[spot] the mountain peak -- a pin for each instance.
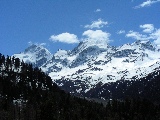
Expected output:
(145, 44)
(83, 45)
(35, 54)
(31, 48)
(98, 43)
(36, 48)
(142, 42)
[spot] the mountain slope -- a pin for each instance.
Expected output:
(27, 93)
(91, 64)
(147, 87)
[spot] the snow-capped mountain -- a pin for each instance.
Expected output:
(91, 63)
(35, 54)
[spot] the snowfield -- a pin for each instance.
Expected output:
(93, 63)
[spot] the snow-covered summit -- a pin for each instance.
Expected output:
(90, 44)
(91, 63)
(144, 45)
(35, 54)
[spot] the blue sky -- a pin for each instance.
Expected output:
(62, 24)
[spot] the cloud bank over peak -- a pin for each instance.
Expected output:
(65, 38)
(146, 3)
(156, 37)
(97, 24)
(97, 35)
(89, 35)
(149, 33)
(136, 35)
(36, 43)
(148, 28)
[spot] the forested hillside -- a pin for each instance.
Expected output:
(27, 93)
(144, 88)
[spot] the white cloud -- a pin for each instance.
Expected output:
(151, 33)
(147, 3)
(121, 32)
(65, 38)
(148, 28)
(98, 10)
(97, 24)
(97, 35)
(136, 35)
(43, 44)
(156, 36)
(36, 43)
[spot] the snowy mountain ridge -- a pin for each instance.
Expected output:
(35, 54)
(91, 63)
